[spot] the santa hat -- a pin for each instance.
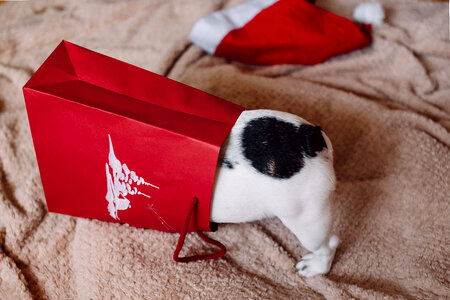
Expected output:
(268, 32)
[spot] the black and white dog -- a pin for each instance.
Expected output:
(277, 164)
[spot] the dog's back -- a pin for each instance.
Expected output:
(270, 164)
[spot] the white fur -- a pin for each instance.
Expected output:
(209, 31)
(243, 194)
(369, 13)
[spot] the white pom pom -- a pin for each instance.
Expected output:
(369, 13)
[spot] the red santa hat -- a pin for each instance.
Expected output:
(268, 32)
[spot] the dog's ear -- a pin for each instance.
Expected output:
(311, 138)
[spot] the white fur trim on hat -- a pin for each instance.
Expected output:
(369, 13)
(209, 31)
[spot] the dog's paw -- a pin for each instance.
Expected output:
(318, 262)
(313, 264)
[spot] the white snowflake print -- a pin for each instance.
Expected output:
(121, 183)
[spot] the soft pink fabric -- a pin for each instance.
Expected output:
(386, 109)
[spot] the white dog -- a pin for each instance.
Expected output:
(276, 164)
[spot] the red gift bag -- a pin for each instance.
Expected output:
(117, 143)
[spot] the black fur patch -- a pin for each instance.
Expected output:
(227, 164)
(277, 148)
(311, 139)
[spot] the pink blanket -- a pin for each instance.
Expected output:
(386, 109)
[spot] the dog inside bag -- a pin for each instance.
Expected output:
(275, 164)
(271, 163)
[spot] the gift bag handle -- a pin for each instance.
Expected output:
(203, 236)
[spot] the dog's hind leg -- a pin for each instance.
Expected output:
(313, 231)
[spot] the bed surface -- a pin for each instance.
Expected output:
(386, 109)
